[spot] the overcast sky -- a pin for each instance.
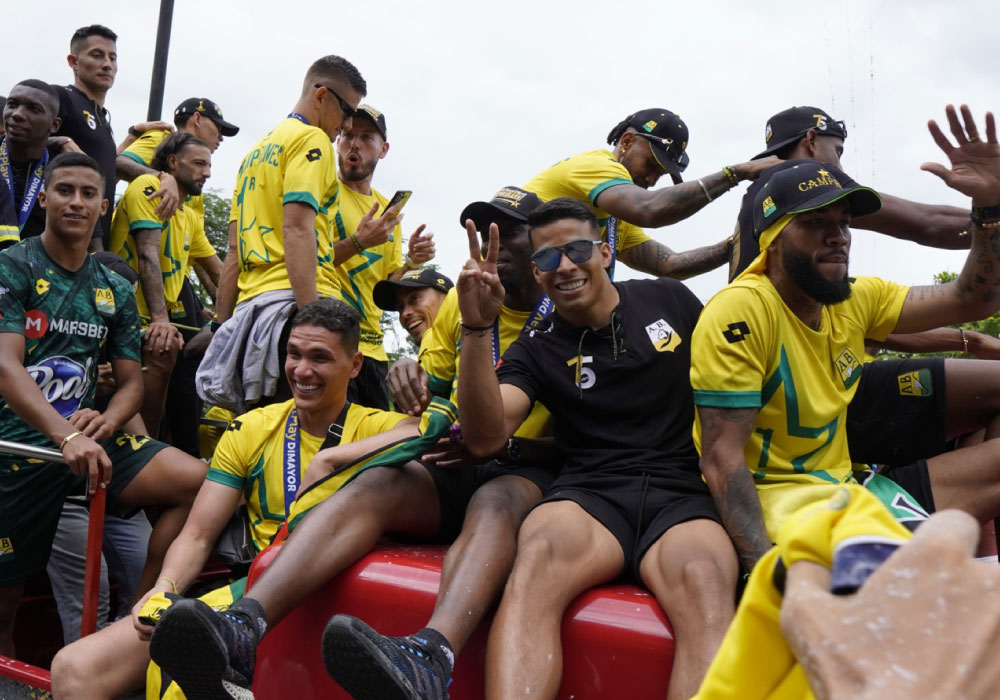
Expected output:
(481, 95)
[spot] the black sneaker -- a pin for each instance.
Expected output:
(211, 655)
(370, 666)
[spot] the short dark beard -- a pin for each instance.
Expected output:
(353, 174)
(800, 269)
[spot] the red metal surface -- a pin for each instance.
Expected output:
(92, 570)
(25, 673)
(617, 643)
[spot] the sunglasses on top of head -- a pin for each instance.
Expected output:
(579, 251)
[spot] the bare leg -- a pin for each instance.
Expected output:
(171, 480)
(968, 479)
(692, 571)
(973, 397)
(478, 563)
(154, 383)
(344, 528)
(102, 666)
(562, 551)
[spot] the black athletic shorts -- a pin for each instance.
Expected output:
(32, 494)
(915, 479)
(368, 388)
(456, 487)
(637, 509)
(897, 415)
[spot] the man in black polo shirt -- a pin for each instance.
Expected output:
(30, 117)
(613, 367)
(94, 60)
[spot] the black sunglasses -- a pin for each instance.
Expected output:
(679, 157)
(347, 109)
(578, 251)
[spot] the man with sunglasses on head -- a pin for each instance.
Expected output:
(281, 238)
(613, 367)
(615, 186)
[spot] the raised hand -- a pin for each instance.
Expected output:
(480, 293)
(975, 164)
(420, 248)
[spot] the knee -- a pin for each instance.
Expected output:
(71, 672)
(704, 587)
(501, 505)
(532, 568)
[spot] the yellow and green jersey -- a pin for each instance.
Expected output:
(440, 346)
(293, 163)
(251, 457)
(142, 151)
(181, 237)
(359, 274)
(750, 351)
(584, 177)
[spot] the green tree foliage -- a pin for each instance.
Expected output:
(217, 230)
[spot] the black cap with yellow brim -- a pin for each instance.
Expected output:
(807, 186)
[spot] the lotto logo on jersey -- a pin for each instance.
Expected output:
(6, 546)
(848, 367)
(917, 383)
(42, 285)
(662, 336)
(35, 324)
(63, 382)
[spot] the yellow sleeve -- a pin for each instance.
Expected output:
(142, 211)
(730, 349)
(310, 169)
(630, 235)
(233, 455)
(592, 173)
(371, 422)
(439, 347)
(878, 305)
(143, 148)
(201, 247)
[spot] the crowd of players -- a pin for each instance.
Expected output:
(558, 429)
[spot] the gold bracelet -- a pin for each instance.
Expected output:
(69, 437)
(173, 585)
(357, 243)
(965, 341)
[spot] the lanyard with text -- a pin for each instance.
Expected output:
(292, 474)
(296, 115)
(611, 236)
(31, 188)
(542, 310)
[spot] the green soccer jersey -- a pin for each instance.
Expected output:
(66, 318)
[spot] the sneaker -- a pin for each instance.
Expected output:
(210, 655)
(370, 666)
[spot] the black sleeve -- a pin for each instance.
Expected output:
(519, 367)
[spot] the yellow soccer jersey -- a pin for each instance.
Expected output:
(142, 151)
(750, 351)
(439, 350)
(251, 457)
(359, 274)
(134, 213)
(292, 163)
(583, 177)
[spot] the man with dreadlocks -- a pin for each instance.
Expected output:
(615, 187)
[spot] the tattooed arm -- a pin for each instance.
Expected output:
(657, 259)
(975, 172)
(668, 205)
(724, 434)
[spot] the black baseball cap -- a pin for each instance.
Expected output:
(807, 186)
(790, 125)
(510, 203)
(203, 105)
(667, 135)
(384, 292)
(375, 116)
